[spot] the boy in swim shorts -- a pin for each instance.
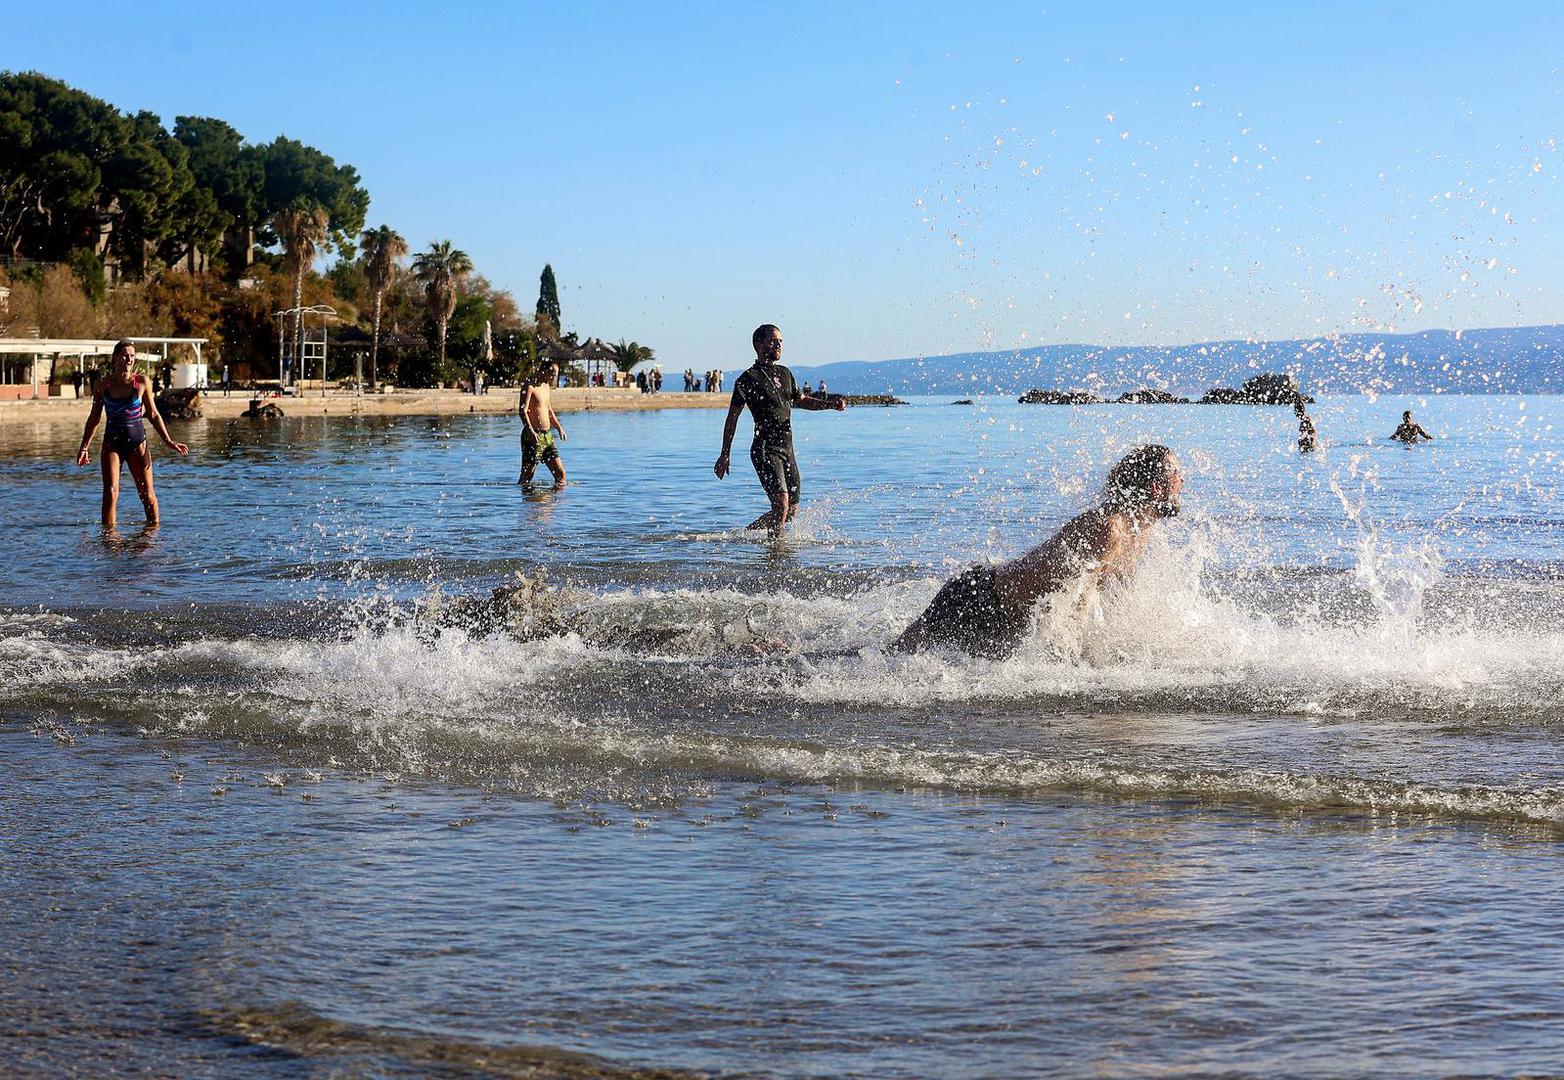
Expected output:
(538, 423)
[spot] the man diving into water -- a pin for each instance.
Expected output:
(987, 610)
(770, 391)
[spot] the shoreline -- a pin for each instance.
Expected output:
(500, 402)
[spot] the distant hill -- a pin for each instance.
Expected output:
(1526, 359)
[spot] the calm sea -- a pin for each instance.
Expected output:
(285, 791)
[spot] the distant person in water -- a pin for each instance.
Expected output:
(539, 421)
(1307, 439)
(770, 393)
(987, 610)
(1410, 430)
(130, 405)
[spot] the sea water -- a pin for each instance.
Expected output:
(285, 790)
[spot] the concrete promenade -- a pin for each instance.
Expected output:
(402, 402)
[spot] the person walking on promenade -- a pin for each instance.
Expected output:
(770, 393)
(130, 405)
(539, 421)
(987, 610)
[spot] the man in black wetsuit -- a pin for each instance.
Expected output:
(770, 392)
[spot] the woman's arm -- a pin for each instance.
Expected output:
(156, 419)
(93, 417)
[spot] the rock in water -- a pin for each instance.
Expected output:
(180, 404)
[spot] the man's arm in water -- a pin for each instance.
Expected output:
(553, 419)
(735, 407)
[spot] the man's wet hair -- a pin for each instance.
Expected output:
(763, 330)
(1407, 415)
(1129, 482)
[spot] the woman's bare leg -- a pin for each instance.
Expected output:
(140, 462)
(109, 464)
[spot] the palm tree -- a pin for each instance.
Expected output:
(381, 248)
(302, 229)
(627, 354)
(439, 270)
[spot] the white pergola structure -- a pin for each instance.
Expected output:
(304, 346)
(22, 359)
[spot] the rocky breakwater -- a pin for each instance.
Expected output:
(1269, 388)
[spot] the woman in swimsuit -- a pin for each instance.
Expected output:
(127, 400)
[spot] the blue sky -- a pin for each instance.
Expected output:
(889, 180)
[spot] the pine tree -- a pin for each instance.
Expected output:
(548, 297)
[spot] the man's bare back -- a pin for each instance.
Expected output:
(987, 610)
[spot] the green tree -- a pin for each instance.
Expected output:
(55, 143)
(295, 173)
(548, 299)
(466, 329)
(232, 173)
(627, 354)
(301, 230)
(381, 248)
(440, 270)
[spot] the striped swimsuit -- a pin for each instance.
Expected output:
(124, 431)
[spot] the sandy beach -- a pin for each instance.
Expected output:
(214, 406)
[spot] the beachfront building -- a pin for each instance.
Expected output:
(34, 368)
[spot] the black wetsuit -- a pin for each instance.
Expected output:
(967, 614)
(770, 391)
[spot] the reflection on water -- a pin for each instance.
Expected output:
(116, 542)
(426, 763)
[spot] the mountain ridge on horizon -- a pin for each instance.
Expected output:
(1520, 359)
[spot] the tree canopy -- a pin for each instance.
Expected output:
(548, 297)
(78, 174)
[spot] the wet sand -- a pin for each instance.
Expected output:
(214, 406)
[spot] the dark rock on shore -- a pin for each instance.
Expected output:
(869, 399)
(259, 411)
(1151, 397)
(1060, 397)
(180, 404)
(963, 401)
(1268, 388)
(1222, 395)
